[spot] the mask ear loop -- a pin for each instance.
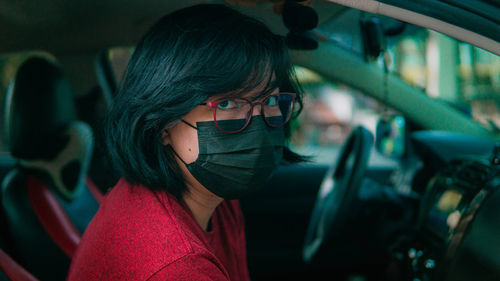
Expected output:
(173, 150)
(189, 124)
(177, 155)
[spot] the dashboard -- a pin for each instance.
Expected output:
(457, 179)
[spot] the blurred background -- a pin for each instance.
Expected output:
(453, 72)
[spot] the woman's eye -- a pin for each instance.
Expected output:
(228, 104)
(272, 101)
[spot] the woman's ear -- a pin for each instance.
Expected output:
(165, 137)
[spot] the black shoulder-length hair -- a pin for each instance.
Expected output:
(187, 57)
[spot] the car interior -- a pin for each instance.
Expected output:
(47, 197)
(403, 188)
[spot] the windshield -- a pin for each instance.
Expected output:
(459, 74)
(456, 73)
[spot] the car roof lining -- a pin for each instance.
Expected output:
(76, 27)
(71, 27)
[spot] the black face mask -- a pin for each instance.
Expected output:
(233, 165)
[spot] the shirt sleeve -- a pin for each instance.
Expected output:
(191, 267)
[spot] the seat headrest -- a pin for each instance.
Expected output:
(67, 170)
(39, 109)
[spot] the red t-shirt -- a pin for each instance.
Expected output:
(138, 234)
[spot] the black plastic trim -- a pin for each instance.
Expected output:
(481, 17)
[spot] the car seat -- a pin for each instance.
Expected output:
(12, 271)
(47, 198)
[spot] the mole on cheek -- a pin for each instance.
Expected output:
(189, 149)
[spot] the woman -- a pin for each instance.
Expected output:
(200, 119)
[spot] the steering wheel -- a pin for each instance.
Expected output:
(338, 191)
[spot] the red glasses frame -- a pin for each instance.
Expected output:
(249, 115)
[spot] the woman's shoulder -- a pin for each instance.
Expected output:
(131, 233)
(138, 216)
(131, 208)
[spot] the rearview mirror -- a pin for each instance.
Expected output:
(391, 136)
(300, 20)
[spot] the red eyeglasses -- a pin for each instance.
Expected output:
(233, 115)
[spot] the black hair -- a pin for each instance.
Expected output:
(187, 57)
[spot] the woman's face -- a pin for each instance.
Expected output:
(184, 139)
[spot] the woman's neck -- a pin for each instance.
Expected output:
(202, 204)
